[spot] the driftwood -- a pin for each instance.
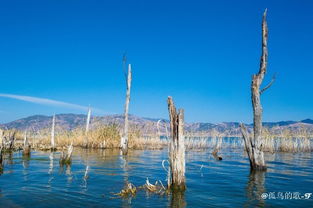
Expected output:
(124, 138)
(253, 144)
(176, 148)
(66, 158)
(52, 133)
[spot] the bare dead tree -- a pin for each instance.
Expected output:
(52, 133)
(87, 127)
(176, 148)
(88, 120)
(1, 159)
(124, 138)
(253, 144)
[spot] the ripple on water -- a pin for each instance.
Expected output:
(39, 181)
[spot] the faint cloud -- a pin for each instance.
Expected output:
(45, 101)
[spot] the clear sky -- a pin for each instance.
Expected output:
(202, 53)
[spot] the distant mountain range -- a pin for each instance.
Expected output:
(148, 125)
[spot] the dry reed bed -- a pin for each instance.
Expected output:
(108, 137)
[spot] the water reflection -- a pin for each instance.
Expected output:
(25, 161)
(255, 188)
(51, 158)
(95, 175)
(10, 158)
(68, 173)
(178, 199)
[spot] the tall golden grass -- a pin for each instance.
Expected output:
(108, 137)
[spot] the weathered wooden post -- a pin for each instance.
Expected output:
(176, 148)
(253, 144)
(124, 138)
(52, 133)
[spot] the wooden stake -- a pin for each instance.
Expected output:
(176, 147)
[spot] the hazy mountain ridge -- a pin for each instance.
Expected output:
(146, 125)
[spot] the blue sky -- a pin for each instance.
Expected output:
(203, 53)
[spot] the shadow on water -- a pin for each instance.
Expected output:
(255, 188)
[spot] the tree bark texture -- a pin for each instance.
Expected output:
(176, 147)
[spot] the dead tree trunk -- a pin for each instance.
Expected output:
(253, 143)
(87, 127)
(88, 120)
(217, 148)
(8, 138)
(26, 147)
(1, 138)
(66, 158)
(124, 139)
(52, 133)
(1, 159)
(176, 148)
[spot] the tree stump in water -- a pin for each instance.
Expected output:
(124, 138)
(217, 148)
(1, 159)
(253, 144)
(66, 158)
(176, 148)
(26, 147)
(7, 139)
(53, 134)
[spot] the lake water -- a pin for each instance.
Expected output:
(39, 181)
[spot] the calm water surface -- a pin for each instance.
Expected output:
(39, 181)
